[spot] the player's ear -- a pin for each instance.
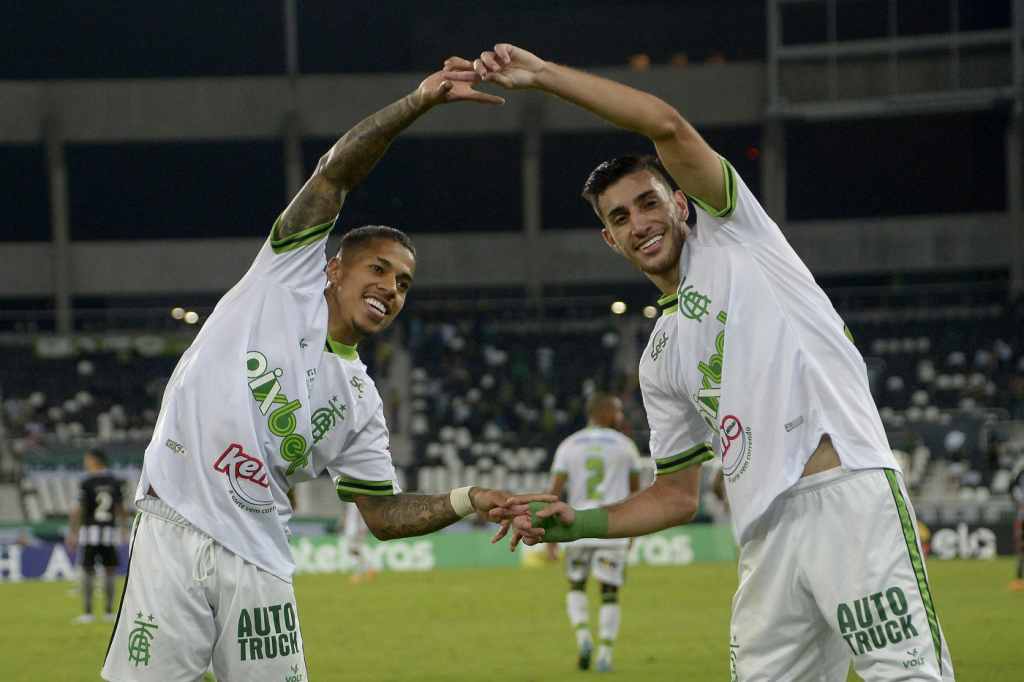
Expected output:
(334, 267)
(608, 239)
(684, 206)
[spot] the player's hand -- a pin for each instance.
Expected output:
(437, 89)
(494, 505)
(513, 68)
(522, 523)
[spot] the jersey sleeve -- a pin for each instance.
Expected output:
(295, 262)
(364, 466)
(679, 437)
(742, 221)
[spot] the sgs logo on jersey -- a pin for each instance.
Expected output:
(737, 444)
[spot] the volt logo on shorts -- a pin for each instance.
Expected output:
(248, 479)
(864, 634)
(266, 389)
(268, 632)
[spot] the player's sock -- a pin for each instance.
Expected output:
(579, 615)
(108, 590)
(609, 618)
(87, 589)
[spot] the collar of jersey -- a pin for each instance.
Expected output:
(341, 350)
(669, 304)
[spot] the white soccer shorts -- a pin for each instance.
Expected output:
(188, 601)
(834, 571)
(607, 564)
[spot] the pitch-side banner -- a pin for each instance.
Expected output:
(330, 553)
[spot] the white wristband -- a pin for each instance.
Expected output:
(461, 502)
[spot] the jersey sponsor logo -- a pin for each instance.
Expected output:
(357, 384)
(266, 632)
(140, 639)
(795, 423)
(266, 389)
(737, 443)
(176, 447)
(326, 418)
(710, 390)
(247, 477)
(659, 346)
(869, 625)
(692, 304)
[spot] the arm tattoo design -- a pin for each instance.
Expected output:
(408, 514)
(346, 164)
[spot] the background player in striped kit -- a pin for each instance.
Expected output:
(96, 525)
(595, 466)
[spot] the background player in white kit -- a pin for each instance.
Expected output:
(270, 394)
(355, 537)
(595, 466)
(750, 354)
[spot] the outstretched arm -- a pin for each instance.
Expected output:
(670, 501)
(358, 151)
(410, 514)
(685, 154)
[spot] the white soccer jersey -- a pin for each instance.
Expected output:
(597, 463)
(750, 355)
(350, 437)
(235, 430)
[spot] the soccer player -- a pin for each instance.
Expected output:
(272, 393)
(595, 466)
(97, 520)
(1017, 489)
(355, 536)
(750, 355)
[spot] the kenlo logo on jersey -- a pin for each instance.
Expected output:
(736, 445)
(248, 478)
(266, 389)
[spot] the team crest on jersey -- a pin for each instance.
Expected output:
(326, 418)
(247, 476)
(692, 304)
(737, 443)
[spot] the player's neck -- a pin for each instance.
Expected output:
(667, 281)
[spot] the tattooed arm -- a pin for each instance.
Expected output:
(410, 514)
(359, 150)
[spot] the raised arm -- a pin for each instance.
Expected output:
(411, 514)
(685, 154)
(353, 156)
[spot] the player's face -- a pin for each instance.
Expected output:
(645, 221)
(367, 290)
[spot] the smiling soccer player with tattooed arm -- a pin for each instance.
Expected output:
(272, 393)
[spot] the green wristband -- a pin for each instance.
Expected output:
(588, 523)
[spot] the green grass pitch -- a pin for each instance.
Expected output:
(510, 624)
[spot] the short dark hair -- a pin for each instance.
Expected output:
(361, 236)
(98, 455)
(613, 170)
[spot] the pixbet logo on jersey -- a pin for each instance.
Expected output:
(736, 445)
(248, 479)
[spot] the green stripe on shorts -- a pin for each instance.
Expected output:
(910, 536)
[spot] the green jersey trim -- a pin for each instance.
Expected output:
(347, 486)
(341, 350)
(669, 304)
(730, 193)
(910, 536)
(695, 455)
(299, 239)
